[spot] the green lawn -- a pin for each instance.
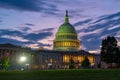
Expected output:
(82, 74)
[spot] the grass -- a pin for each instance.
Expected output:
(82, 74)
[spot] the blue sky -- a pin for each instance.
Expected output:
(34, 23)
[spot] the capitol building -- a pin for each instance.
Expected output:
(66, 46)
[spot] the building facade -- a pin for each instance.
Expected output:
(61, 59)
(66, 46)
(13, 54)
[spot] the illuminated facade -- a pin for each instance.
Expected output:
(52, 59)
(13, 53)
(66, 46)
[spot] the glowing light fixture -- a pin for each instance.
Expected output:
(22, 58)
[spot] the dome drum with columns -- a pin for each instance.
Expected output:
(66, 37)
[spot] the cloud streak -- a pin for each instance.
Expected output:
(29, 24)
(29, 5)
(27, 39)
(15, 38)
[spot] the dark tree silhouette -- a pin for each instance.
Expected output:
(71, 64)
(85, 63)
(109, 51)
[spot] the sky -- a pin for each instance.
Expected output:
(33, 23)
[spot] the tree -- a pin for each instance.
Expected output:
(5, 63)
(109, 50)
(85, 63)
(71, 64)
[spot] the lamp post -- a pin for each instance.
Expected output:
(22, 61)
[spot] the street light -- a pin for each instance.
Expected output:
(22, 58)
